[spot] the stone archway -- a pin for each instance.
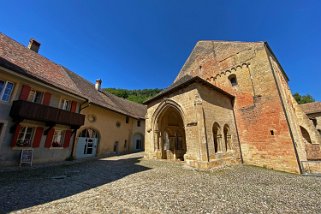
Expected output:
(170, 140)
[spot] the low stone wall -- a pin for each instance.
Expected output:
(311, 167)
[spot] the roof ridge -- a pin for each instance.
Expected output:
(31, 51)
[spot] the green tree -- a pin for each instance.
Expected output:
(301, 99)
(138, 96)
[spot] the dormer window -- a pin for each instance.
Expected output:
(233, 80)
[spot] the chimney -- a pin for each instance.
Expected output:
(98, 85)
(34, 45)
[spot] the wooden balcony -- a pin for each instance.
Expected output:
(21, 110)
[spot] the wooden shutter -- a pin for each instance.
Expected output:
(49, 138)
(15, 136)
(37, 137)
(46, 99)
(67, 138)
(25, 92)
(73, 106)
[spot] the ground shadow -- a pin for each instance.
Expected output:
(27, 188)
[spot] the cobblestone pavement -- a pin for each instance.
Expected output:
(128, 184)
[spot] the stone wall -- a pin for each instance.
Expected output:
(261, 121)
(200, 108)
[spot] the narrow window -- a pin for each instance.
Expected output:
(127, 119)
(6, 89)
(35, 96)
(217, 138)
(138, 123)
(272, 132)
(116, 147)
(58, 138)
(25, 136)
(65, 104)
(125, 144)
(233, 80)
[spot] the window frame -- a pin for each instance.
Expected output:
(62, 138)
(64, 104)
(4, 89)
(32, 135)
(34, 98)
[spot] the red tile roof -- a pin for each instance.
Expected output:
(311, 108)
(18, 58)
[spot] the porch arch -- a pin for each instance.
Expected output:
(169, 131)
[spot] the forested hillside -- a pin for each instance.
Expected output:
(138, 96)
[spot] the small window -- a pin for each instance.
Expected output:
(127, 119)
(116, 146)
(233, 80)
(6, 89)
(65, 104)
(35, 96)
(25, 136)
(58, 138)
(272, 132)
(138, 123)
(125, 144)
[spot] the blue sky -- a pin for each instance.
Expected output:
(139, 44)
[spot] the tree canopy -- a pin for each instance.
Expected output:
(138, 96)
(301, 99)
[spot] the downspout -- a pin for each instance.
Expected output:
(286, 116)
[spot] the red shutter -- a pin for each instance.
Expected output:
(49, 138)
(15, 136)
(25, 92)
(67, 138)
(73, 106)
(46, 99)
(37, 137)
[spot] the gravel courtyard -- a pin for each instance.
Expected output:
(129, 184)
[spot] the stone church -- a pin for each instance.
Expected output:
(231, 104)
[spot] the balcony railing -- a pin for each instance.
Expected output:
(32, 111)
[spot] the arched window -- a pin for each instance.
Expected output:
(227, 138)
(217, 138)
(233, 80)
(305, 135)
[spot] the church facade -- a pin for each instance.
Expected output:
(230, 104)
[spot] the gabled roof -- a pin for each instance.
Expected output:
(213, 55)
(311, 108)
(18, 58)
(184, 82)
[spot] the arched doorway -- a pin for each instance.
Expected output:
(137, 142)
(172, 141)
(87, 143)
